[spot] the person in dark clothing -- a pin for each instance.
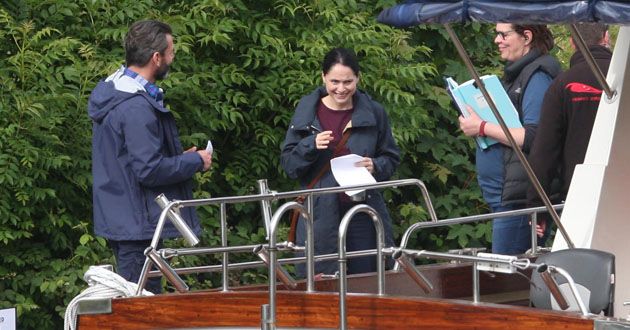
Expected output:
(567, 117)
(317, 126)
(528, 71)
(136, 153)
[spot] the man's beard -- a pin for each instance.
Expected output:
(162, 71)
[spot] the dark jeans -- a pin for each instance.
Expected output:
(130, 260)
(361, 235)
(513, 235)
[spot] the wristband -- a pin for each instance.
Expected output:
(482, 126)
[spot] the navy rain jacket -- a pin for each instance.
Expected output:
(136, 155)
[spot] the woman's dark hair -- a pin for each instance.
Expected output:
(143, 39)
(542, 39)
(341, 56)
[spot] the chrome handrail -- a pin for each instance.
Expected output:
(475, 218)
(501, 259)
(272, 249)
(267, 196)
(380, 265)
(273, 195)
(168, 252)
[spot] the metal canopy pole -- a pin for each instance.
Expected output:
(530, 173)
(581, 45)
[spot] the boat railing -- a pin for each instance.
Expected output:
(268, 252)
(171, 208)
(380, 245)
(170, 211)
(531, 212)
(504, 264)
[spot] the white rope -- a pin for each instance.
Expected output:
(102, 284)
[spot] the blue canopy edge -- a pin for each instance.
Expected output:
(493, 11)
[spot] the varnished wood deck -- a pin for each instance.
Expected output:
(320, 310)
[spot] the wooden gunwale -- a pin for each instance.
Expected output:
(320, 310)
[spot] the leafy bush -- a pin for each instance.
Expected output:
(240, 69)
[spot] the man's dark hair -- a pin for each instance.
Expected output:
(341, 56)
(143, 39)
(592, 33)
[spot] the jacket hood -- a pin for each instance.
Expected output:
(115, 89)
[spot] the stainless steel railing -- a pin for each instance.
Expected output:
(380, 265)
(477, 218)
(272, 219)
(171, 208)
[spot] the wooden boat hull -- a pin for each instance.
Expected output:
(320, 310)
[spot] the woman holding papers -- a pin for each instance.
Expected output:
(528, 73)
(334, 120)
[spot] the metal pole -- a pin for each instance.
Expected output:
(173, 214)
(264, 317)
(273, 249)
(142, 281)
(166, 270)
(265, 204)
(528, 169)
(597, 72)
(310, 245)
(573, 287)
(380, 265)
(545, 274)
(410, 268)
(534, 223)
(224, 243)
(475, 282)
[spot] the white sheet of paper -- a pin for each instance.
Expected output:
(209, 147)
(347, 174)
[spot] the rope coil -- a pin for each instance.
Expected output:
(102, 283)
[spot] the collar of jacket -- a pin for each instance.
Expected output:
(598, 52)
(154, 103)
(512, 69)
(306, 111)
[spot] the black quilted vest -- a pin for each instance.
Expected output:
(515, 79)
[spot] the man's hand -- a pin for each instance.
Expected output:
(205, 156)
(207, 159)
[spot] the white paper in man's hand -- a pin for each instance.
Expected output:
(347, 173)
(209, 148)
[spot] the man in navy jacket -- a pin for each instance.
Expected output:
(136, 152)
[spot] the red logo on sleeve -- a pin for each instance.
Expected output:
(582, 88)
(595, 94)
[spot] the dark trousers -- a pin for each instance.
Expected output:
(130, 260)
(361, 235)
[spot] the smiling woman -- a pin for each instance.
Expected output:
(528, 72)
(322, 123)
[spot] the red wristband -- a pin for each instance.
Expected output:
(482, 126)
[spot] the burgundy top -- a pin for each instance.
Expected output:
(335, 121)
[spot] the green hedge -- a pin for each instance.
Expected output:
(240, 68)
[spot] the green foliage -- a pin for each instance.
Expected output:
(240, 69)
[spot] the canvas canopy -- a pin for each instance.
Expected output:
(493, 11)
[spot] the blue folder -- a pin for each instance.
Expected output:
(468, 94)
